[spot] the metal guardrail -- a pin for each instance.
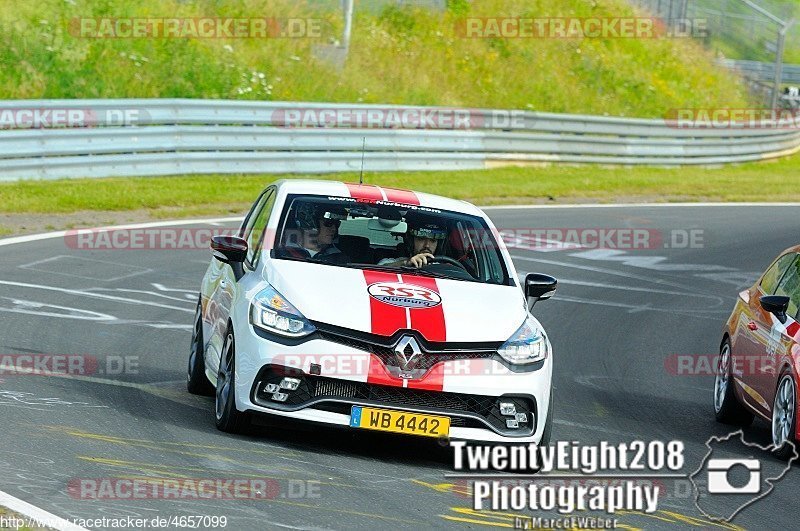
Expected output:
(211, 136)
(762, 71)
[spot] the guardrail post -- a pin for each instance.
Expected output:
(776, 87)
(348, 26)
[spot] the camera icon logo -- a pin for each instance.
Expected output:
(718, 476)
(731, 477)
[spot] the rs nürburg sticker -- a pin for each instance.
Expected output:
(404, 295)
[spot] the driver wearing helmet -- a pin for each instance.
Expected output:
(314, 239)
(422, 239)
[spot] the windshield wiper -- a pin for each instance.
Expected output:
(385, 267)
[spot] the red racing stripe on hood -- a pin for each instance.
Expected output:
(432, 381)
(368, 192)
(386, 318)
(428, 321)
(379, 375)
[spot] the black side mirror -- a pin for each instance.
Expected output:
(231, 250)
(539, 287)
(775, 304)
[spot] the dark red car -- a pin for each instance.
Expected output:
(759, 359)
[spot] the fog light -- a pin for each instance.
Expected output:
(280, 397)
(290, 383)
(512, 423)
(522, 418)
(508, 409)
(271, 388)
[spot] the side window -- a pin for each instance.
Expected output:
(789, 286)
(247, 227)
(256, 237)
(774, 273)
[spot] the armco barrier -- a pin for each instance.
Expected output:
(179, 136)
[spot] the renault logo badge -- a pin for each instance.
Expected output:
(407, 353)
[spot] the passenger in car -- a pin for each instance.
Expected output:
(318, 229)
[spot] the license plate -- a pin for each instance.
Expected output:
(399, 422)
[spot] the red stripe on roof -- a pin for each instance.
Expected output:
(401, 196)
(369, 192)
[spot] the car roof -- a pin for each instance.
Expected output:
(376, 192)
(793, 249)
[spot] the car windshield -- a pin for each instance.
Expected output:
(343, 232)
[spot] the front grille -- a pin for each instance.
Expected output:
(400, 396)
(358, 344)
(429, 359)
(331, 387)
(321, 390)
(431, 353)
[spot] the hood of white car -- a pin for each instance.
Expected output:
(381, 302)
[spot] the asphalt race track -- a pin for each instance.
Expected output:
(617, 317)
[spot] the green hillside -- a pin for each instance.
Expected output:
(409, 56)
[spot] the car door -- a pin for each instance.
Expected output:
(223, 286)
(755, 338)
(783, 334)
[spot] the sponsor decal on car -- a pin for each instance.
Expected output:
(404, 295)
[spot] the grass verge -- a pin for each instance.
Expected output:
(203, 195)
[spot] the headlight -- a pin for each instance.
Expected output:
(270, 311)
(527, 345)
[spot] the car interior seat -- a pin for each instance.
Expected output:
(356, 247)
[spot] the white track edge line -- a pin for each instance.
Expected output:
(61, 233)
(637, 205)
(37, 515)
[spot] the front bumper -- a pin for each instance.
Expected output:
(334, 377)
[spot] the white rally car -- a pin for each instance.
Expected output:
(317, 311)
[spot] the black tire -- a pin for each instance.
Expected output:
(228, 418)
(785, 443)
(548, 423)
(727, 408)
(196, 381)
